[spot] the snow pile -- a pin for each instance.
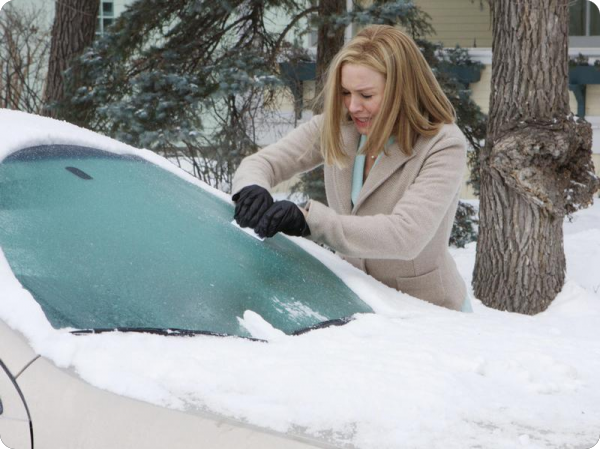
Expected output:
(412, 375)
(21, 130)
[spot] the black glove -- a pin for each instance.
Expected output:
(250, 204)
(282, 216)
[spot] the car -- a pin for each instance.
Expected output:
(133, 313)
(100, 238)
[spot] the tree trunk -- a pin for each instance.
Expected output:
(536, 165)
(73, 30)
(330, 41)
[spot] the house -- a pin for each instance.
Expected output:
(468, 24)
(463, 22)
(109, 10)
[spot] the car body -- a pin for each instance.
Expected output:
(103, 238)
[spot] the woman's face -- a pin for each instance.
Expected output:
(362, 90)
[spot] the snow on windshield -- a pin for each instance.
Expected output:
(411, 375)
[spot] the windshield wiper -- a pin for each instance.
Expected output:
(174, 332)
(324, 324)
(171, 332)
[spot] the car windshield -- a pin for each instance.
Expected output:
(105, 241)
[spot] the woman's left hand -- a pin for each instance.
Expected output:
(283, 216)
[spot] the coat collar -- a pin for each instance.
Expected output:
(386, 167)
(343, 175)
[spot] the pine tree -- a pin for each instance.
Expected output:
(197, 78)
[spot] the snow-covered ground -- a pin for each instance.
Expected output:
(412, 375)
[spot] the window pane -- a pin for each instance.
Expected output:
(107, 23)
(106, 241)
(313, 37)
(577, 18)
(107, 8)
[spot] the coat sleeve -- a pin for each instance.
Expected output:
(415, 218)
(297, 152)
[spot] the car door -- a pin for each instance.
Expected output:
(15, 429)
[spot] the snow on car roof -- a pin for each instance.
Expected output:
(410, 375)
(21, 130)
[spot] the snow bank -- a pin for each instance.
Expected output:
(412, 375)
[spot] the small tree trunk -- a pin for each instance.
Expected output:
(73, 30)
(330, 41)
(536, 165)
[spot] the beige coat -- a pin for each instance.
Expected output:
(398, 230)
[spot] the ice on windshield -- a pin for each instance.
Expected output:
(107, 241)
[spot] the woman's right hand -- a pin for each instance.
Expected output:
(250, 205)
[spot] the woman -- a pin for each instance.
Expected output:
(392, 201)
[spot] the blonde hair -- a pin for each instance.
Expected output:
(413, 102)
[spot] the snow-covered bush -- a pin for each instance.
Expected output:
(465, 225)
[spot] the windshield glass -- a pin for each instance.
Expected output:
(106, 241)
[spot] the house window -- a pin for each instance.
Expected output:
(584, 18)
(107, 8)
(313, 37)
(106, 16)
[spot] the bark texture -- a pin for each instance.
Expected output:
(330, 41)
(536, 165)
(73, 30)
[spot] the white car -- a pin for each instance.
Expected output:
(108, 239)
(134, 314)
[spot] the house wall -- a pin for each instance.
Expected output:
(120, 6)
(463, 22)
(48, 7)
(468, 24)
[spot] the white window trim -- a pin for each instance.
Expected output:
(101, 16)
(484, 55)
